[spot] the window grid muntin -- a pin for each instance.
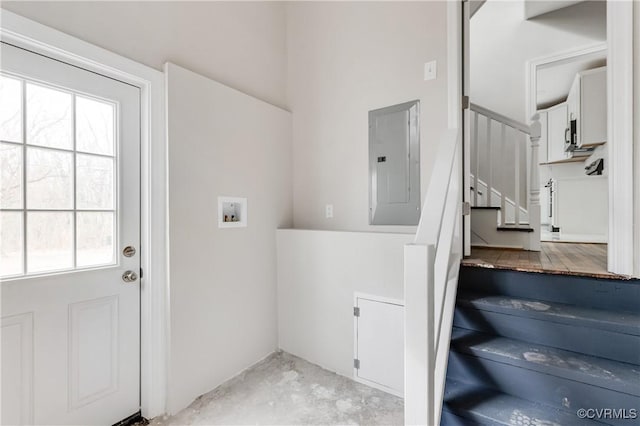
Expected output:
(115, 179)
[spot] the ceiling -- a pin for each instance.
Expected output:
(533, 8)
(553, 81)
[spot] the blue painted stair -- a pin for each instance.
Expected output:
(536, 349)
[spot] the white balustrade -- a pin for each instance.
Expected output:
(493, 179)
(432, 263)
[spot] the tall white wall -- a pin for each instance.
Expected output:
(241, 44)
(221, 142)
(222, 281)
(502, 42)
(318, 273)
(344, 59)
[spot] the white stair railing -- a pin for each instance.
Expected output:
(431, 267)
(496, 178)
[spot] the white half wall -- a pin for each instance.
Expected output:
(318, 273)
(345, 59)
(222, 281)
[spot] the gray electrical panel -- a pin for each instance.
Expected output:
(394, 165)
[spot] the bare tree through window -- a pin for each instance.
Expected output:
(57, 179)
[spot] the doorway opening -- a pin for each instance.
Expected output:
(539, 165)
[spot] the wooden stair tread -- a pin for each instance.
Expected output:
(616, 321)
(604, 373)
(483, 405)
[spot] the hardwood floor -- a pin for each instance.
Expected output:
(555, 257)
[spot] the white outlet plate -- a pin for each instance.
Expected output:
(328, 211)
(430, 70)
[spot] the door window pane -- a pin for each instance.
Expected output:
(49, 179)
(11, 243)
(49, 241)
(57, 193)
(94, 126)
(95, 238)
(49, 117)
(95, 182)
(10, 176)
(10, 109)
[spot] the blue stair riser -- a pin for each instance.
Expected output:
(622, 295)
(450, 419)
(556, 392)
(587, 340)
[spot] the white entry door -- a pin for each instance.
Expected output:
(70, 205)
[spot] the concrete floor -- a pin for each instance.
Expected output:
(286, 390)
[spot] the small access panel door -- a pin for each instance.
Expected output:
(379, 343)
(394, 165)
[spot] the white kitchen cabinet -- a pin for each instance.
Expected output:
(556, 126)
(553, 123)
(544, 143)
(587, 102)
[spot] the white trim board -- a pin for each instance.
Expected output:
(636, 168)
(576, 238)
(620, 112)
(38, 38)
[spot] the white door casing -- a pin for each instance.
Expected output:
(74, 333)
(465, 71)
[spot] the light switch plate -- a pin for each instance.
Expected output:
(430, 70)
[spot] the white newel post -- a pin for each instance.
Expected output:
(419, 343)
(534, 185)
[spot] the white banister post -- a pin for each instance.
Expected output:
(503, 192)
(516, 195)
(476, 160)
(534, 182)
(490, 165)
(419, 345)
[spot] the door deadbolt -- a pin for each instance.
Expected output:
(129, 251)
(129, 277)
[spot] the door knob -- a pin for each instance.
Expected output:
(129, 277)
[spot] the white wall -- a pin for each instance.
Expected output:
(223, 281)
(344, 59)
(318, 273)
(502, 42)
(582, 208)
(241, 44)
